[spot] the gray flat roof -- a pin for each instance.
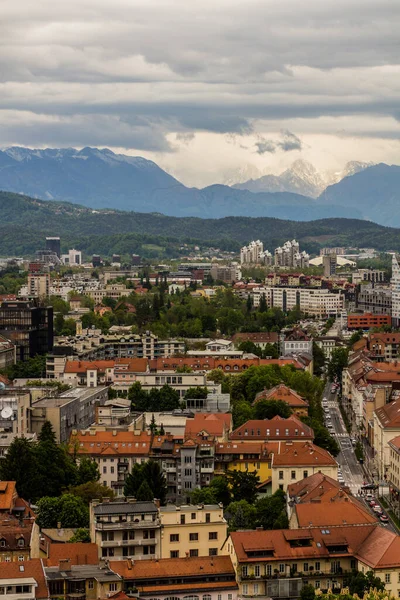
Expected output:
(124, 508)
(188, 507)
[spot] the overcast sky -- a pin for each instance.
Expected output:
(204, 87)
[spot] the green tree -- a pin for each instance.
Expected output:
(307, 592)
(81, 535)
(271, 511)
(68, 510)
(87, 471)
(205, 495)
(241, 413)
(319, 359)
(144, 493)
(355, 337)
(196, 392)
(338, 362)
(267, 409)
(359, 583)
(55, 468)
(20, 465)
(90, 490)
(221, 490)
(151, 473)
(169, 398)
(242, 515)
(243, 485)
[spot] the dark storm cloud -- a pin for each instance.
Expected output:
(132, 71)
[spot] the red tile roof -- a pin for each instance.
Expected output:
(340, 511)
(302, 454)
(123, 443)
(277, 428)
(8, 495)
(30, 568)
(78, 553)
(389, 415)
(173, 567)
(215, 424)
(284, 393)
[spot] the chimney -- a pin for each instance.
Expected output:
(157, 502)
(64, 564)
(114, 432)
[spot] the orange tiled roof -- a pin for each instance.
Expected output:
(284, 393)
(31, 568)
(277, 428)
(8, 495)
(122, 443)
(78, 553)
(176, 567)
(314, 486)
(389, 415)
(215, 424)
(302, 453)
(340, 511)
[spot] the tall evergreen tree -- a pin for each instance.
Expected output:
(144, 493)
(21, 465)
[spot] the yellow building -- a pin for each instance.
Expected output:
(245, 456)
(191, 530)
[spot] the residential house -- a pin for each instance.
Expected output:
(295, 341)
(23, 580)
(260, 339)
(67, 580)
(192, 530)
(19, 534)
(252, 456)
(386, 426)
(191, 578)
(285, 394)
(209, 426)
(276, 428)
(126, 529)
(114, 451)
(298, 460)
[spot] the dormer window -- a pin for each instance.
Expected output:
(2, 543)
(21, 542)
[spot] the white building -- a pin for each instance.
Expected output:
(395, 286)
(318, 302)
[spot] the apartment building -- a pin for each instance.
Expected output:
(275, 429)
(114, 451)
(67, 581)
(278, 563)
(28, 327)
(374, 299)
(73, 409)
(19, 534)
(386, 426)
(295, 341)
(384, 346)
(367, 321)
(7, 353)
(245, 456)
(126, 529)
(191, 578)
(38, 285)
(395, 287)
(298, 460)
(190, 530)
(318, 302)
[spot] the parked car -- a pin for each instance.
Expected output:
(384, 519)
(372, 503)
(377, 509)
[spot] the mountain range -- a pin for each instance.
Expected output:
(27, 221)
(300, 178)
(102, 179)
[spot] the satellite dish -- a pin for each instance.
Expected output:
(7, 412)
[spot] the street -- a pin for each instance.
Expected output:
(352, 471)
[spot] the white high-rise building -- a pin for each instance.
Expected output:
(395, 286)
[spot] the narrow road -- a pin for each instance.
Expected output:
(352, 471)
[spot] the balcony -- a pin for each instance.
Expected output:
(124, 543)
(109, 526)
(206, 469)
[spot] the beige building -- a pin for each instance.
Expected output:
(298, 460)
(190, 530)
(125, 529)
(39, 285)
(386, 426)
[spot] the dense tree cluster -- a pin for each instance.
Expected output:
(44, 468)
(167, 398)
(146, 482)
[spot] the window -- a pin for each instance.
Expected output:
(257, 571)
(219, 597)
(183, 519)
(305, 567)
(317, 585)
(229, 596)
(305, 474)
(353, 565)
(174, 537)
(281, 486)
(22, 589)
(193, 552)
(268, 570)
(255, 587)
(104, 470)
(213, 552)
(21, 558)
(174, 554)
(193, 537)
(281, 568)
(90, 584)
(245, 589)
(112, 469)
(387, 577)
(113, 587)
(280, 474)
(213, 535)
(21, 542)
(244, 571)
(188, 459)
(208, 518)
(207, 597)
(293, 475)
(193, 516)
(188, 472)
(318, 566)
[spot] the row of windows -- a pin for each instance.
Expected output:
(194, 552)
(193, 537)
(292, 475)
